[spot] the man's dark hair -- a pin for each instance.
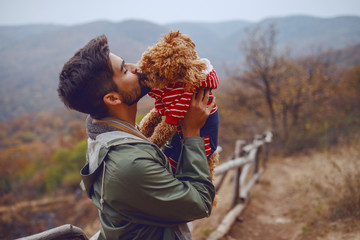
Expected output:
(87, 77)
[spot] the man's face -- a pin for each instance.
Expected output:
(129, 81)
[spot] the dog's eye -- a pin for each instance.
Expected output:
(125, 70)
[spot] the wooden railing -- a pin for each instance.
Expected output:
(246, 157)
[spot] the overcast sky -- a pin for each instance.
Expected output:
(18, 12)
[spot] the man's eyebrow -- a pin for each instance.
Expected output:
(122, 65)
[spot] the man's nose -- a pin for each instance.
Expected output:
(132, 67)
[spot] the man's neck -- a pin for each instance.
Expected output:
(126, 113)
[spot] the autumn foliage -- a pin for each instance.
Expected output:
(307, 102)
(40, 153)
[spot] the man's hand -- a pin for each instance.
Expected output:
(197, 114)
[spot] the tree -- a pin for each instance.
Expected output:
(262, 66)
(296, 92)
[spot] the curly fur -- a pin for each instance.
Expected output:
(149, 122)
(163, 132)
(213, 161)
(171, 60)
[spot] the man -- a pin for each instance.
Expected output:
(127, 177)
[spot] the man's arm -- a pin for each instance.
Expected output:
(144, 191)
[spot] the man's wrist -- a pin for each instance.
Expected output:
(193, 133)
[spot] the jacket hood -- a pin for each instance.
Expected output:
(93, 129)
(101, 138)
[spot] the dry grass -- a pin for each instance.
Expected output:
(318, 193)
(329, 193)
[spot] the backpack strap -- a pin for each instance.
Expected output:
(123, 126)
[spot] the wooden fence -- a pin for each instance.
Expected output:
(245, 158)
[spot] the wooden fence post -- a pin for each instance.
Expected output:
(236, 186)
(223, 176)
(267, 139)
(257, 159)
(243, 158)
(237, 172)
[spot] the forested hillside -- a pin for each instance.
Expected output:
(32, 56)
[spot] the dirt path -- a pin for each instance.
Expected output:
(270, 214)
(284, 205)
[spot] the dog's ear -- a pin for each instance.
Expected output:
(167, 71)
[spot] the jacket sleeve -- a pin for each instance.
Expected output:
(142, 190)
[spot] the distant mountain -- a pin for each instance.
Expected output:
(32, 56)
(305, 34)
(344, 58)
(302, 34)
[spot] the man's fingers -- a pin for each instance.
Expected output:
(201, 98)
(202, 94)
(206, 95)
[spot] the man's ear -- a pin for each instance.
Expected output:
(112, 98)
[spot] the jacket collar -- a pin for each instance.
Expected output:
(96, 127)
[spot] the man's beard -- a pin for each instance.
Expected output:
(137, 93)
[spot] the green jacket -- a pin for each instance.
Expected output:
(130, 182)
